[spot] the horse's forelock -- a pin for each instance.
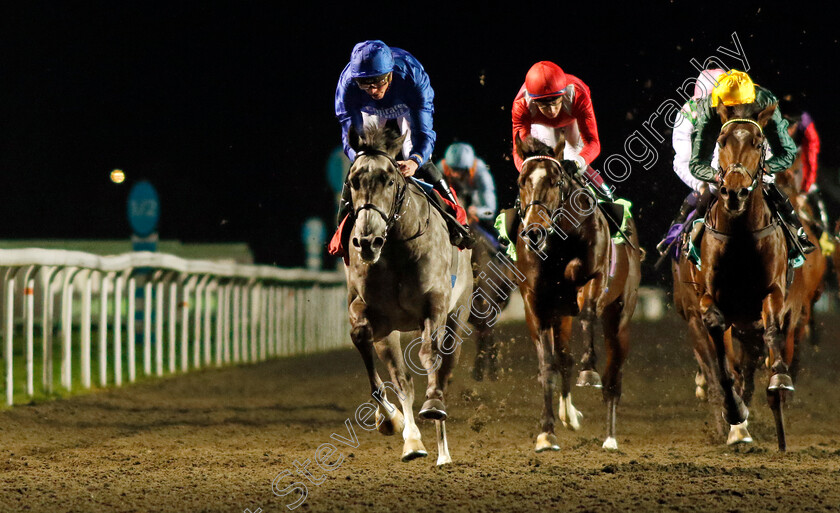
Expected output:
(376, 138)
(532, 147)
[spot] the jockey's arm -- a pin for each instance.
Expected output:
(585, 116)
(348, 115)
(421, 118)
(521, 117)
(486, 190)
(681, 140)
(810, 152)
(704, 141)
(781, 144)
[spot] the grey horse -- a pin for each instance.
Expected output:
(403, 277)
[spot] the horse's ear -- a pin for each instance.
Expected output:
(395, 145)
(724, 112)
(517, 147)
(353, 138)
(765, 115)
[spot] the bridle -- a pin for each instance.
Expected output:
(535, 203)
(737, 167)
(399, 197)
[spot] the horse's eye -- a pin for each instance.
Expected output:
(390, 183)
(354, 182)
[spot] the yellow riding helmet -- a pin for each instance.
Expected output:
(734, 88)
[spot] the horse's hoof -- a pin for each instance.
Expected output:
(589, 378)
(738, 434)
(780, 382)
(700, 393)
(433, 409)
(413, 449)
(546, 442)
(610, 444)
(389, 427)
(443, 460)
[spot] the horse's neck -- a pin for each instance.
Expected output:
(413, 215)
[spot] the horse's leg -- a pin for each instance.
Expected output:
(569, 415)
(735, 411)
(433, 361)
(449, 358)
(775, 336)
(361, 333)
(483, 341)
(545, 354)
(588, 376)
(389, 351)
(616, 322)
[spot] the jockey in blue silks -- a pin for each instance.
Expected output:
(380, 84)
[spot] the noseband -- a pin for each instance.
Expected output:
(396, 206)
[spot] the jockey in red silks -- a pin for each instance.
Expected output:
(551, 102)
(804, 134)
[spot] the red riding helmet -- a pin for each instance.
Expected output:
(545, 79)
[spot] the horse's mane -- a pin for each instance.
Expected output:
(376, 138)
(531, 147)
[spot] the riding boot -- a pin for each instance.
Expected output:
(702, 206)
(782, 205)
(827, 240)
(511, 227)
(459, 234)
(688, 204)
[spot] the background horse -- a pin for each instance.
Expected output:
(403, 276)
(742, 282)
(497, 282)
(571, 266)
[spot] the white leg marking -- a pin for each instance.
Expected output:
(443, 445)
(569, 416)
(738, 434)
(610, 444)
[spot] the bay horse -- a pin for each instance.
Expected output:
(571, 268)
(497, 280)
(743, 278)
(403, 276)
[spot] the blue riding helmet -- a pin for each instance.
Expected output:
(370, 59)
(460, 156)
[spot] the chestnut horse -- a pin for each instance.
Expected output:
(743, 279)
(403, 276)
(572, 267)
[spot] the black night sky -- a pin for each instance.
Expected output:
(228, 107)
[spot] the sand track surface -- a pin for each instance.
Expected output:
(216, 439)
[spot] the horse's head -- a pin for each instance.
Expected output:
(741, 155)
(376, 186)
(543, 187)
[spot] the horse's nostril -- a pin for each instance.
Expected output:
(743, 193)
(724, 192)
(356, 242)
(378, 242)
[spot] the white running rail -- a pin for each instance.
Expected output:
(214, 313)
